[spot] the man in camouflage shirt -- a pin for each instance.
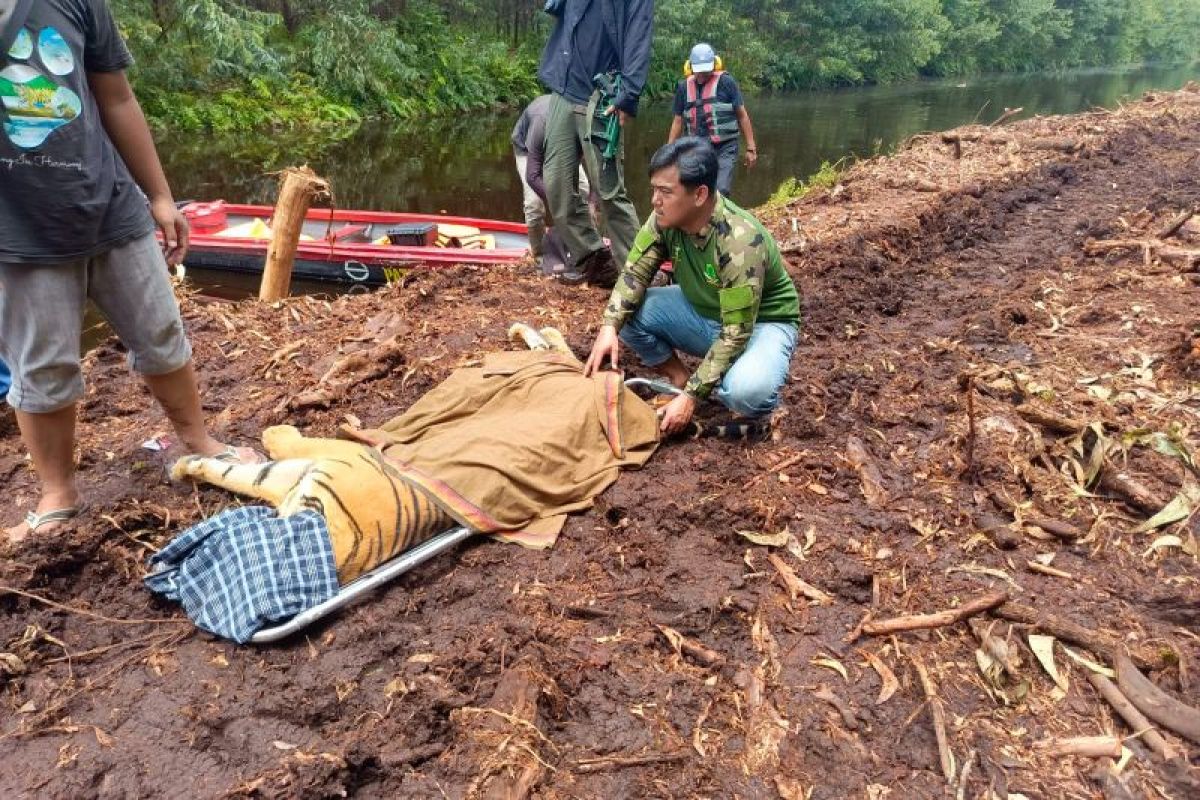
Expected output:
(733, 304)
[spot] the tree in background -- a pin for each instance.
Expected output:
(239, 64)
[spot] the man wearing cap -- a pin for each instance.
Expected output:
(708, 103)
(595, 64)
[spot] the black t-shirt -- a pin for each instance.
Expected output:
(65, 193)
(727, 92)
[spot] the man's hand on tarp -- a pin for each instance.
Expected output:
(606, 347)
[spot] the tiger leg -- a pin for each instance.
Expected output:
(270, 481)
(557, 341)
(284, 441)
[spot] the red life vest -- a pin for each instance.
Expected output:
(721, 118)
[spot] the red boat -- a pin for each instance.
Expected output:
(370, 248)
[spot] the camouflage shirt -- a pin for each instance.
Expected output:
(730, 272)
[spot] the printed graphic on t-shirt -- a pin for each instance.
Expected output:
(35, 105)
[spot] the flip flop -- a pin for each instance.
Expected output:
(35, 520)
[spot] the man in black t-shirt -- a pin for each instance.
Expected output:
(81, 195)
(708, 104)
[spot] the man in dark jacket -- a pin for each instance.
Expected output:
(595, 63)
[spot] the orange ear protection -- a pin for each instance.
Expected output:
(718, 65)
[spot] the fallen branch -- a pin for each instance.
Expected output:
(797, 586)
(1133, 718)
(1175, 224)
(91, 614)
(848, 718)
(945, 755)
(617, 762)
(1061, 145)
(1068, 631)
(940, 619)
(704, 655)
(1172, 714)
(1008, 114)
(868, 472)
(1090, 746)
(1151, 249)
(502, 740)
(1131, 490)
(1045, 569)
(375, 363)
(997, 530)
(1049, 419)
(1056, 527)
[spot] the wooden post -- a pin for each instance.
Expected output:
(298, 187)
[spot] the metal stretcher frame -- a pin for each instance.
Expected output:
(402, 563)
(365, 583)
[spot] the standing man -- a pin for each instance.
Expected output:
(733, 304)
(708, 103)
(595, 63)
(81, 193)
(529, 152)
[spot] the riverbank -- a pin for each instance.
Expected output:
(971, 363)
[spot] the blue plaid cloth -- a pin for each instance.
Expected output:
(246, 569)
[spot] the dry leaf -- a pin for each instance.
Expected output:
(1099, 669)
(698, 731)
(1043, 648)
(103, 739)
(833, 664)
(1170, 540)
(674, 637)
(887, 678)
(280, 745)
(1181, 507)
(765, 643)
(422, 658)
(767, 539)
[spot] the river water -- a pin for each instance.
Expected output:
(464, 165)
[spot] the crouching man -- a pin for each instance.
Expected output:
(733, 304)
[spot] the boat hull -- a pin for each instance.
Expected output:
(341, 250)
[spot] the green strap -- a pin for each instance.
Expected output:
(613, 125)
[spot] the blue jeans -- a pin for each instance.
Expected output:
(5, 379)
(666, 322)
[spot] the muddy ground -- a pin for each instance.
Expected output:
(971, 361)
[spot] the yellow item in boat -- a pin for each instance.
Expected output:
(257, 229)
(465, 236)
(384, 240)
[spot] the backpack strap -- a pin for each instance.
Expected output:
(13, 14)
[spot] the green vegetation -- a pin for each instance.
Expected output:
(258, 64)
(794, 188)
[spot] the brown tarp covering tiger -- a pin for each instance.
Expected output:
(513, 446)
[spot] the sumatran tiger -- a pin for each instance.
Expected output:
(372, 513)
